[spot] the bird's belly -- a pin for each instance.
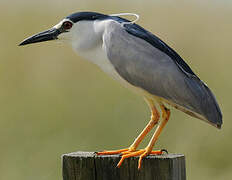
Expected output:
(99, 57)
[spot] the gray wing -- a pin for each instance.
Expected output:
(145, 66)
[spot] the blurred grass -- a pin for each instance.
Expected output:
(53, 102)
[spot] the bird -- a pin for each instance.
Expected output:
(142, 62)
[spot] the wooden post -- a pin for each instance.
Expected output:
(88, 166)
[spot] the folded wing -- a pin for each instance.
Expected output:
(146, 62)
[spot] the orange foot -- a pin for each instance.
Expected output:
(126, 153)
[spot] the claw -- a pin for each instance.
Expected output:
(130, 154)
(126, 153)
(141, 158)
(142, 153)
(164, 150)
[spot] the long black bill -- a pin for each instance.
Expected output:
(48, 35)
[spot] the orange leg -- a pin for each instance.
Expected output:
(154, 120)
(165, 117)
(148, 150)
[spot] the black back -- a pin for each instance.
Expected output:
(142, 33)
(79, 16)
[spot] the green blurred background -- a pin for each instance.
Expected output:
(53, 102)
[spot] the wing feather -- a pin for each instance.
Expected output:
(146, 66)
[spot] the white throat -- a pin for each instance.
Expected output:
(87, 42)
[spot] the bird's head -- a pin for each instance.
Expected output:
(75, 29)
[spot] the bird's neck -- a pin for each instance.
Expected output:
(87, 36)
(88, 43)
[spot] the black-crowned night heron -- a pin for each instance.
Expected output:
(141, 61)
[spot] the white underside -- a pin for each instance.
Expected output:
(98, 56)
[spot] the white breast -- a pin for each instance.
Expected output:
(89, 45)
(98, 56)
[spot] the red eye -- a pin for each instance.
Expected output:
(67, 25)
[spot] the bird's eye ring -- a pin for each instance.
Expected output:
(67, 25)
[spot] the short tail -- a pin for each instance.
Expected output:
(206, 104)
(211, 109)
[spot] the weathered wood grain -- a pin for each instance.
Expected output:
(88, 166)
